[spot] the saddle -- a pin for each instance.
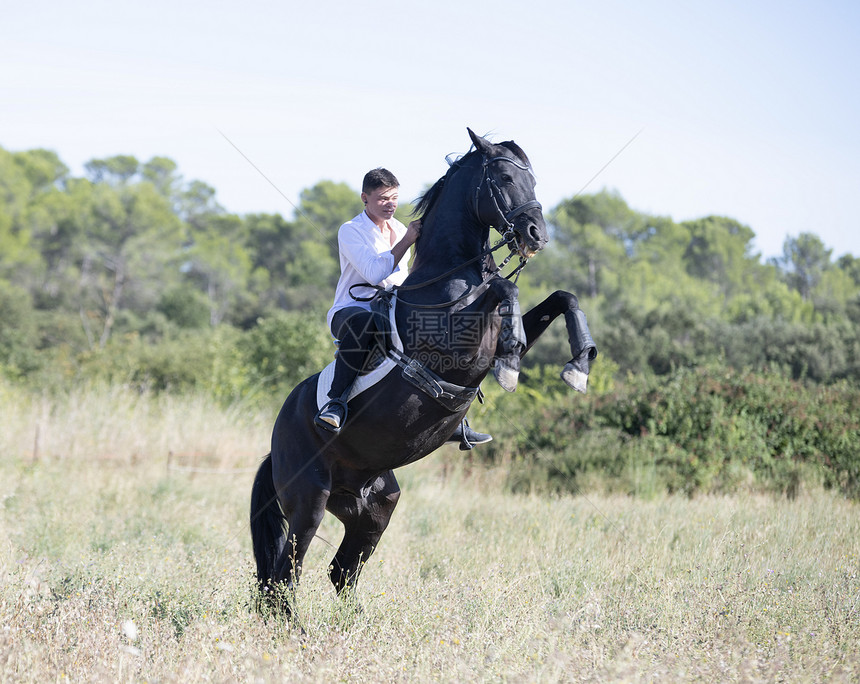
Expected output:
(386, 354)
(377, 365)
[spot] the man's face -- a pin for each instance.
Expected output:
(380, 204)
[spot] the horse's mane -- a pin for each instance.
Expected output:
(425, 203)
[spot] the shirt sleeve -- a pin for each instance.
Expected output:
(373, 266)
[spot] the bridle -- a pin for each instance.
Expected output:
(505, 229)
(500, 204)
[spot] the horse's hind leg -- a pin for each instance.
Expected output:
(303, 518)
(303, 502)
(364, 519)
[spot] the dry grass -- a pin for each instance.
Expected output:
(115, 567)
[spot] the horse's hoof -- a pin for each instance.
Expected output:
(506, 375)
(575, 378)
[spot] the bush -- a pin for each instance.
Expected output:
(262, 364)
(285, 348)
(186, 307)
(177, 364)
(697, 430)
(18, 332)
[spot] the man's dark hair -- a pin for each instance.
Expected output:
(379, 178)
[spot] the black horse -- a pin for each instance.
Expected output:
(457, 318)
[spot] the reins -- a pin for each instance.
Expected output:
(476, 290)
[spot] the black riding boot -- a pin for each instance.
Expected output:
(467, 438)
(354, 328)
(333, 415)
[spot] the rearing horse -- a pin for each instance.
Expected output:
(457, 318)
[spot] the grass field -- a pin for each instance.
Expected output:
(125, 556)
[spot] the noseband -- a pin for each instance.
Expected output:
(503, 210)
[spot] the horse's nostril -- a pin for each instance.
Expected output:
(534, 234)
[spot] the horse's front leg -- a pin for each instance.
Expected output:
(582, 347)
(512, 341)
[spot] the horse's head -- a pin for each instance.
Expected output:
(505, 197)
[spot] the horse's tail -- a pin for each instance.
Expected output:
(267, 522)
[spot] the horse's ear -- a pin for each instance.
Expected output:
(480, 143)
(517, 150)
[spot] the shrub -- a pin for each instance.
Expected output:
(18, 332)
(186, 307)
(284, 348)
(697, 430)
(178, 364)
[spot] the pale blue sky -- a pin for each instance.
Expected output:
(746, 109)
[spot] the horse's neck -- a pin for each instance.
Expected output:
(450, 236)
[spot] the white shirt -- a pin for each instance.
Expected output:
(365, 257)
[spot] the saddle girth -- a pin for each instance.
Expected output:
(453, 397)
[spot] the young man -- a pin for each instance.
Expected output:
(374, 248)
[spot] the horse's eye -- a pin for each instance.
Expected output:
(506, 179)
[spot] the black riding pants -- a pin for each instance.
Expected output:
(354, 328)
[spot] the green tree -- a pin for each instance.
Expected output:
(219, 262)
(115, 170)
(720, 251)
(17, 188)
(323, 208)
(804, 261)
(42, 168)
(161, 172)
(850, 265)
(301, 256)
(185, 306)
(59, 224)
(18, 332)
(593, 236)
(196, 202)
(132, 236)
(271, 243)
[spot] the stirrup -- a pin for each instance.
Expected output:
(320, 419)
(462, 435)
